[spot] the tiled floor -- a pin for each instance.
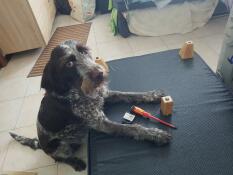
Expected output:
(20, 96)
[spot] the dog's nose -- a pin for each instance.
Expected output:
(97, 76)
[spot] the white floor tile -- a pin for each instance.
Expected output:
(48, 170)
(175, 40)
(214, 42)
(210, 56)
(34, 85)
(139, 53)
(101, 20)
(63, 20)
(104, 35)
(29, 110)
(214, 26)
(175, 46)
(92, 44)
(21, 63)
(64, 169)
(5, 140)
(12, 88)
(21, 157)
(115, 49)
(102, 29)
(9, 113)
(1, 71)
(91, 37)
(146, 44)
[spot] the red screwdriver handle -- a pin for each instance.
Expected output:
(143, 113)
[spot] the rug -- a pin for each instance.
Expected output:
(78, 32)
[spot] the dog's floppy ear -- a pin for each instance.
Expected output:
(82, 49)
(47, 81)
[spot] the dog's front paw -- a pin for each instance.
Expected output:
(79, 165)
(156, 95)
(159, 136)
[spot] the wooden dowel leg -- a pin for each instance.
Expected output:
(3, 61)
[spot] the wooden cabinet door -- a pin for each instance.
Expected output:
(18, 28)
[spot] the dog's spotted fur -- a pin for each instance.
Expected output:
(70, 108)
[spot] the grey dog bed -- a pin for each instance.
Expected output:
(203, 113)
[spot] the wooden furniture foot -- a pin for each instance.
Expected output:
(3, 61)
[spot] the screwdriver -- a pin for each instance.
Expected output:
(141, 112)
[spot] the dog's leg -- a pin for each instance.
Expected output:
(97, 120)
(134, 131)
(134, 97)
(76, 163)
(65, 154)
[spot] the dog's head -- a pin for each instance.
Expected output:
(71, 66)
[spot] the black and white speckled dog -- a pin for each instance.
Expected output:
(76, 91)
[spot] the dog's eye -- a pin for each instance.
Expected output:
(70, 64)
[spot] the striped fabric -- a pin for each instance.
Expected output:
(78, 32)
